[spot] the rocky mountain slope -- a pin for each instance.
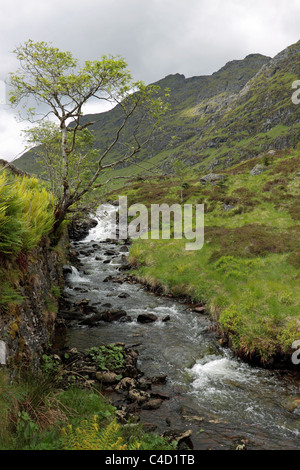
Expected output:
(217, 120)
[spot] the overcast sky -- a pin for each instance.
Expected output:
(156, 37)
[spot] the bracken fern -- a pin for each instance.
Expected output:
(89, 436)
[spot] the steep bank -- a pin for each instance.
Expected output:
(31, 270)
(27, 326)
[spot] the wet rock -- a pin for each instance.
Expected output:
(160, 395)
(73, 253)
(107, 377)
(126, 319)
(133, 353)
(108, 278)
(81, 303)
(292, 404)
(124, 249)
(296, 411)
(166, 318)
(106, 261)
(223, 342)
(121, 416)
(146, 318)
(67, 269)
(149, 427)
(239, 444)
(85, 307)
(124, 260)
(79, 229)
(70, 315)
(125, 267)
(92, 320)
(201, 309)
(139, 396)
(159, 380)
(132, 408)
(152, 404)
(109, 253)
(123, 295)
(108, 240)
(126, 383)
(113, 315)
(145, 384)
(183, 439)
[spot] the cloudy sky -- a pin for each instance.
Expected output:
(156, 37)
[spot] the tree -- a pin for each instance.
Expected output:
(46, 138)
(179, 169)
(55, 80)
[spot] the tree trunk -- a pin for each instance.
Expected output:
(60, 213)
(62, 206)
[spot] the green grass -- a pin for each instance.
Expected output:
(248, 270)
(36, 415)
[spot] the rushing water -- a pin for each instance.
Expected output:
(217, 396)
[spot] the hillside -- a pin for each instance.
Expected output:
(214, 121)
(181, 123)
(247, 273)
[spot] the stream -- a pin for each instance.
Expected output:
(221, 399)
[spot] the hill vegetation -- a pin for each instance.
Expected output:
(26, 216)
(213, 121)
(247, 273)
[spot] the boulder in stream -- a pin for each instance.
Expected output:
(153, 404)
(67, 269)
(146, 318)
(166, 318)
(92, 320)
(113, 315)
(123, 295)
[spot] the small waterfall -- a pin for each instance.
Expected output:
(106, 217)
(77, 278)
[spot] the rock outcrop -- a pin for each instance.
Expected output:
(26, 328)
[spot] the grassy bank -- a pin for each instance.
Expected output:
(36, 414)
(247, 273)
